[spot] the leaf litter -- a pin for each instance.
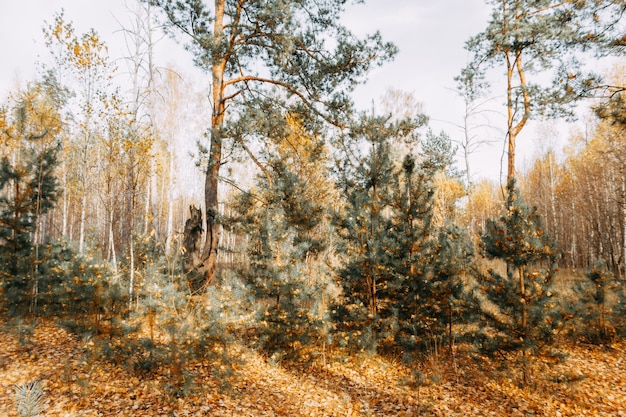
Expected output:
(591, 381)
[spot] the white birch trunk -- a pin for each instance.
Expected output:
(66, 205)
(112, 244)
(83, 215)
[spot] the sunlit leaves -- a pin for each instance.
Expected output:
(86, 52)
(582, 197)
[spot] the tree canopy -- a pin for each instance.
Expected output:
(265, 57)
(530, 39)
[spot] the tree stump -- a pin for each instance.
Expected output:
(192, 259)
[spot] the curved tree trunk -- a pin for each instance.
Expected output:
(209, 253)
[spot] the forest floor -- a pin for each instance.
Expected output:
(591, 381)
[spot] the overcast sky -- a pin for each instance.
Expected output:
(430, 35)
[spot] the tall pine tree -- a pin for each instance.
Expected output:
(275, 54)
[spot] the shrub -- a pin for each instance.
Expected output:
(599, 313)
(521, 313)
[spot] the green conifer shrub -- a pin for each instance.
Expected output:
(83, 295)
(521, 315)
(179, 327)
(430, 259)
(452, 263)
(412, 242)
(599, 313)
(28, 189)
(363, 317)
(285, 274)
(397, 276)
(33, 190)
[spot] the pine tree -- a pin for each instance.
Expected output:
(279, 54)
(600, 308)
(393, 279)
(280, 244)
(524, 315)
(79, 292)
(28, 189)
(429, 259)
(366, 231)
(412, 242)
(529, 38)
(284, 217)
(452, 262)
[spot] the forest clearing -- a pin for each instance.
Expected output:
(256, 244)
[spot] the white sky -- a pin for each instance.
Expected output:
(430, 35)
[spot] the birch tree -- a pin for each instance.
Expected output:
(85, 59)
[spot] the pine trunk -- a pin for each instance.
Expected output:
(209, 253)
